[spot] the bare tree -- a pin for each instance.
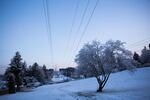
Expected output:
(100, 60)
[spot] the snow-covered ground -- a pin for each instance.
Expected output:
(120, 86)
(60, 78)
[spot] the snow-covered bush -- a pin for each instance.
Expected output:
(31, 82)
(3, 85)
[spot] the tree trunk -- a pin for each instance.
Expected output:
(100, 88)
(102, 83)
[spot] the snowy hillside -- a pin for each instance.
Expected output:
(120, 86)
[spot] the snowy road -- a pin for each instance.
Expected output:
(121, 86)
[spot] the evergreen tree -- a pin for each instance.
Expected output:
(16, 69)
(144, 55)
(11, 83)
(38, 73)
(136, 57)
(148, 54)
(24, 68)
(45, 72)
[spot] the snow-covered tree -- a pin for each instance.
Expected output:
(100, 60)
(38, 73)
(145, 55)
(24, 68)
(136, 57)
(16, 68)
(45, 72)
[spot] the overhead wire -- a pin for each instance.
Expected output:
(79, 27)
(86, 26)
(139, 42)
(80, 24)
(71, 29)
(48, 24)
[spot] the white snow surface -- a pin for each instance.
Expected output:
(120, 86)
(60, 78)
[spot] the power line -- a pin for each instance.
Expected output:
(86, 26)
(82, 18)
(141, 41)
(48, 24)
(70, 31)
(139, 44)
(78, 29)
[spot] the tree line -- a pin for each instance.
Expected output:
(18, 73)
(144, 57)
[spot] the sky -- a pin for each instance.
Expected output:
(23, 28)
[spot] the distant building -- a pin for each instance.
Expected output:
(69, 72)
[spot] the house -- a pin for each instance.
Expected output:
(69, 72)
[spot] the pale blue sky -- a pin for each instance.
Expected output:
(23, 28)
